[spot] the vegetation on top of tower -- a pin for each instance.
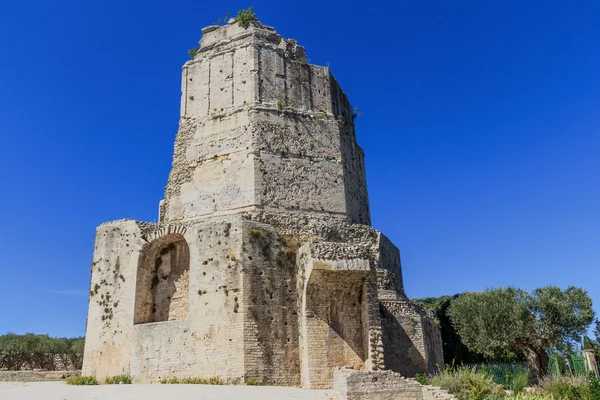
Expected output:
(193, 52)
(223, 20)
(245, 17)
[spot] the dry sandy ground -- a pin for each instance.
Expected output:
(61, 391)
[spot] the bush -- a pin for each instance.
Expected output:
(517, 381)
(245, 17)
(536, 396)
(423, 379)
(252, 382)
(118, 379)
(81, 380)
(468, 384)
(566, 387)
(215, 380)
(594, 388)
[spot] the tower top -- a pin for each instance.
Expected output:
(261, 129)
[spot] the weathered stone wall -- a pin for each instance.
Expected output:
(270, 306)
(208, 342)
(412, 342)
(432, 340)
(261, 128)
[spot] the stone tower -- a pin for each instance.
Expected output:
(263, 264)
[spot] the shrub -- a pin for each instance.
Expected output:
(252, 382)
(517, 381)
(536, 396)
(245, 17)
(81, 380)
(594, 388)
(118, 379)
(215, 380)
(423, 379)
(193, 52)
(468, 384)
(566, 387)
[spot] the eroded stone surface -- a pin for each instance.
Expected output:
(263, 265)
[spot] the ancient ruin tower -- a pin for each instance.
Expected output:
(263, 265)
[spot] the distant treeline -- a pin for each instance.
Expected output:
(32, 351)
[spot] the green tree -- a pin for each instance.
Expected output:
(501, 319)
(39, 351)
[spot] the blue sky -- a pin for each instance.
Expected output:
(480, 123)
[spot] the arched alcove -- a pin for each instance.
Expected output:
(162, 287)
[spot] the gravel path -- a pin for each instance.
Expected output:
(61, 391)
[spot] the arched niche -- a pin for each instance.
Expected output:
(162, 287)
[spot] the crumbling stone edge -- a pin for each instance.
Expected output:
(349, 384)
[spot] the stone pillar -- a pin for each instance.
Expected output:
(590, 361)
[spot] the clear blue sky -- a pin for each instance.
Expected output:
(480, 122)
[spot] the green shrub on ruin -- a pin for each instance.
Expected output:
(247, 16)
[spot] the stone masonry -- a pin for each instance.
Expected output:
(263, 264)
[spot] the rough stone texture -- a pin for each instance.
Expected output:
(262, 129)
(382, 385)
(263, 264)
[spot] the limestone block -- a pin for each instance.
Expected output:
(298, 135)
(218, 184)
(411, 341)
(298, 183)
(374, 385)
(390, 274)
(332, 311)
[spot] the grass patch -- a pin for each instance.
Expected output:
(118, 380)
(81, 380)
(252, 382)
(215, 380)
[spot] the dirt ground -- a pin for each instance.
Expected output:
(61, 391)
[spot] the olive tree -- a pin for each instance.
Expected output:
(501, 319)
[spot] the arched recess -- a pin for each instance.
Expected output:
(335, 335)
(162, 287)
